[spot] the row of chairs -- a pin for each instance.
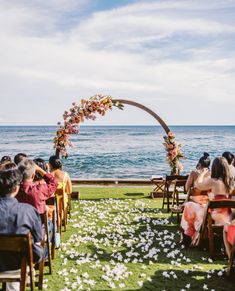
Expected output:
(23, 244)
(174, 194)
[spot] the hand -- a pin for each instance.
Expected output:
(39, 170)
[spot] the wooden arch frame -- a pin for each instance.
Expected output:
(151, 112)
(146, 109)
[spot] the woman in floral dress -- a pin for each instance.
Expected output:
(193, 209)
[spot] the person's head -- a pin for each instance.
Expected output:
(5, 159)
(27, 168)
(220, 170)
(229, 157)
(8, 166)
(55, 163)
(42, 164)
(204, 161)
(19, 157)
(9, 182)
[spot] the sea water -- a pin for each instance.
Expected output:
(119, 151)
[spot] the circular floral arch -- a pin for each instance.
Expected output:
(99, 104)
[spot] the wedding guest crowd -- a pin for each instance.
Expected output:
(25, 185)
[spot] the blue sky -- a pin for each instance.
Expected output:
(176, 57)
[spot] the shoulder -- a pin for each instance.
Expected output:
(27, 209)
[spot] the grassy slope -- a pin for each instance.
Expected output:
(133, 211)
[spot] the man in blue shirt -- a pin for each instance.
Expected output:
(17, 218)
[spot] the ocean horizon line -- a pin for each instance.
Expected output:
(131, 125)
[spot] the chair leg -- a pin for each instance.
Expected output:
(41, 268)
(211, 237)
(49, 251)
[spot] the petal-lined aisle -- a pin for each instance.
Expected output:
(129, 244)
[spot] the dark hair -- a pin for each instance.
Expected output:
(8, 166)
(228, 156)
(42, 164)
(5, 159)
(55, 162)
(204, 161)
(19, 157)
(220, 170)
(9, 180)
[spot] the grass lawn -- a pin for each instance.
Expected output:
(120, 239)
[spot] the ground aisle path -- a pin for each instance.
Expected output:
(128, 244)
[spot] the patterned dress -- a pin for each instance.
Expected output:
(192, 217)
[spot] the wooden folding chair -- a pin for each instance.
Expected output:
(179, 197)
(158, 191)
(169, 189)
(46, 246)
(62, 211)
(51, 203)
(209, 228)
(20, 244)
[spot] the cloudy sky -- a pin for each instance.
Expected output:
(176, 57)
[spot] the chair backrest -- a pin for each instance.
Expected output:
(170, 179)
(176, 177)
(222, 203)
(21, 244)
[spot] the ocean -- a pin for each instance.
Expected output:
(119, 151)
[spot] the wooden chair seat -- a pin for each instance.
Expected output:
(10, 276)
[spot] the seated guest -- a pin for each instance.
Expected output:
(19, 157)
(62, 177)
(35, 193)
(230, 158)
(203, 164)
(16, 218)
(193, 209)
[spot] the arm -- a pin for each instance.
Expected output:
(51, 185)
(46, 190)
(190, 181)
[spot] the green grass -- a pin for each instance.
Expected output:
(128, 243)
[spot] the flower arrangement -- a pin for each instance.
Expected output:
(87, 109)
(173, 153)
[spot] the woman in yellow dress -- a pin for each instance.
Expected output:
(64, 187)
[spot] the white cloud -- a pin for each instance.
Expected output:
(153, 53)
